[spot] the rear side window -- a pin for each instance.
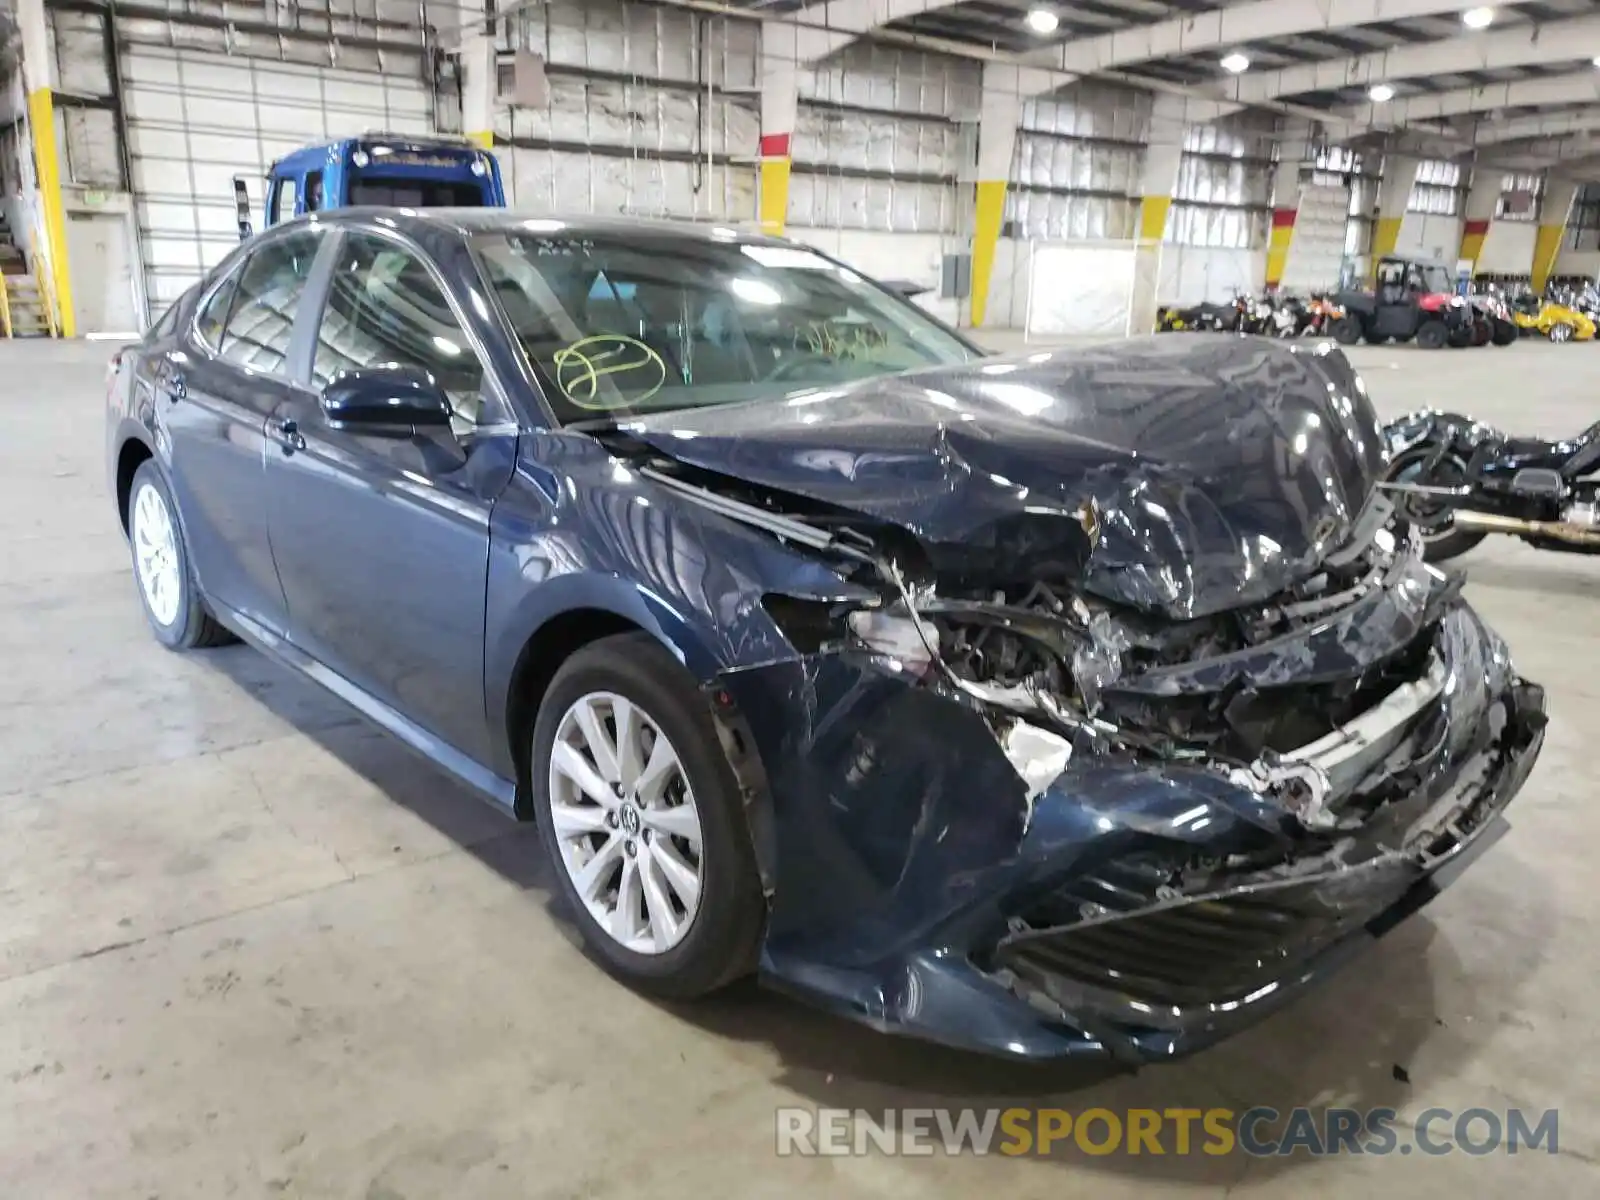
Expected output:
(261, 319)
(213, 314)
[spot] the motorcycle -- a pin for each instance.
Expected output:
(1493, 313)
(1458, 480)
(1204, 318)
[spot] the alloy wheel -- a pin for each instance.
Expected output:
(155, 555)
(623, 813)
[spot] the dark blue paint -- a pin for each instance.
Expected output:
(408, 574)
(332, 165)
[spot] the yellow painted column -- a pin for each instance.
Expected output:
(988, 221)
(1153, 212)
(1278, 242)
(1546, 245)
(47, 165)
(1385, 236)
(483, 139)
(776, 163)
(1554, 208)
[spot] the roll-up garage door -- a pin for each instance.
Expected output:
(196, 119)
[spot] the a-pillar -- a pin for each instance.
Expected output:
(480, 75)
(1554, 209)
(38, 78)
(1294, 148)
(1394, 193)
(1483, 197)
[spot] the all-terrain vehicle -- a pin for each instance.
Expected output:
(1414, 301)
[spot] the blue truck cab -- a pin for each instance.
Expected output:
(390, 169)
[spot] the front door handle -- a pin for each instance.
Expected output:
(176, 387)
(288, 435)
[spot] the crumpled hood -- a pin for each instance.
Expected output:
(1222, 468)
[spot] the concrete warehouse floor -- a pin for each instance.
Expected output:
(249, 946)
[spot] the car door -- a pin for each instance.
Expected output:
(382, 541)
(215, 389)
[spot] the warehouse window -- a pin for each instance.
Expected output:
(1519, 197)
(1437, 188)
(262, 318)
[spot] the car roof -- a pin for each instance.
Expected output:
(470, 221)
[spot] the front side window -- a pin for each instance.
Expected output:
(617, 327)
(384, 308)
(283, 197)
(262, 317)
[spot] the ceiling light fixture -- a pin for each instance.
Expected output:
(1042, 20)
(1478, 18)
(1235, 63)
(1380, 93)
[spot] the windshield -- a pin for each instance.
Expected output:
(1437, 279)
(620, 326)
(396, 192)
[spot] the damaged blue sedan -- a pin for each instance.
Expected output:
(1088, 702)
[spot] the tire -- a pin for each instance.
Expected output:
(1504, 332)
(1432, 335)
(719, 940)
(1561, 332)
(172, 603)
(1346, 331)
(1440, 539)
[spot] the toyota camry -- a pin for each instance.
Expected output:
(1086, 701)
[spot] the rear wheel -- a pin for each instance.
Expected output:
(1561, 332)
(1346, 331)
(641, 816)
(1432, 334)
(172, 604)
(1504, 332)
(1434, 518)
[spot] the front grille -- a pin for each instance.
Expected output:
(1194, 952)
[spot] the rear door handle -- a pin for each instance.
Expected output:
(288, 435)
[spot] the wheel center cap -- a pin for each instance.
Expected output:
(629, 818)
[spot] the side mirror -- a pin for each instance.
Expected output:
(386, 401)
(905, 288)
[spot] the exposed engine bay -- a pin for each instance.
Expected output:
(1059, 673)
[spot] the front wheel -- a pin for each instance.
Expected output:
(1346, 331)
(1504, 332)
(1434, 518)
(1561, 332)
(1432, 335)
(642, 818)
(172, 604)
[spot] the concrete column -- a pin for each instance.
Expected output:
(1294, 149)
(1159, 175)
(782, 56)
(1483, 197)
(1394, 192)
(480, 75)
(1553, 211)
(38, 78)
(999, 114)
(1158, 179)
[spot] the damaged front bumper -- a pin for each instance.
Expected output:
(922, 883)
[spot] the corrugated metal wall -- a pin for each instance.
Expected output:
(1077, 161)
(880, 142)
(651, 111)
